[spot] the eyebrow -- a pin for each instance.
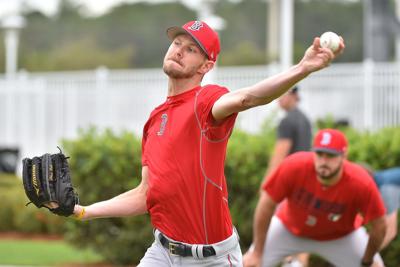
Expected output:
(331, 155)
(191, 42)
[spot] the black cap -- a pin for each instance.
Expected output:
(294, 90)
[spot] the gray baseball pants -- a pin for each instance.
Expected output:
(346, 251)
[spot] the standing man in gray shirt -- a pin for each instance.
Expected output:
(294, 130)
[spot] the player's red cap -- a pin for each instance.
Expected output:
(330, 141)
(203, 35)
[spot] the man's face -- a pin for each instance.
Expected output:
(183, 58)
(328, 165)
(286, 101)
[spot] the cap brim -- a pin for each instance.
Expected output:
(327, 150)
(172, 32)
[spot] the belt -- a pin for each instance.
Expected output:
(180, 249)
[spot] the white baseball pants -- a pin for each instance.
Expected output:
(228, 254)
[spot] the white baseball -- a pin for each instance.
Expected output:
(330, 40)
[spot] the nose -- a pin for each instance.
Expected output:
(179, 52)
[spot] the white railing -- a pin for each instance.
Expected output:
(38, 109)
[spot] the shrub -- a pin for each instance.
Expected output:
(104, 165)
(247, 160)
(16, 216)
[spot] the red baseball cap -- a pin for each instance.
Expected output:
(330, 141)
(206, 38)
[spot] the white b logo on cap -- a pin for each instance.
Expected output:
(196, 26)
(326, 138)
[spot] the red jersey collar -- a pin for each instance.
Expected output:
(184, 95)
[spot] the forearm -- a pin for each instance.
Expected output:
(391, 232)
(262, 219)
(376, 236)
(373, 247)
(259, 94)
(126, 194)
(130, 203)
(271, 88)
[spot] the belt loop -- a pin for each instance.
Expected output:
(194, 252)
(198, 251)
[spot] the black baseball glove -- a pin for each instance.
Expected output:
(47, 183)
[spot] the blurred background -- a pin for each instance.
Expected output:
(85, 75)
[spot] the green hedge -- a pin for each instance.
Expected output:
(16, 216)
(105, 164)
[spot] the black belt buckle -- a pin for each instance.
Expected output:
(176, 249)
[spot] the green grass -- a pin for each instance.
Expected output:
(43, 253)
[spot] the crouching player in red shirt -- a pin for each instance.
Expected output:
(321, 194)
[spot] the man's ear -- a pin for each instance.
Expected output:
(207, 66)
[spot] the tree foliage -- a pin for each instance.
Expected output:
(133, 35)
(318, 16)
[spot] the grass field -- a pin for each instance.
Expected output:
(43, 253)
(35, 250)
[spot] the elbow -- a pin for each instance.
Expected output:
(248, 101)
(245, 102)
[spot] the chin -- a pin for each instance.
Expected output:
(325, 175)
(172, 67)
(326, 178)
(174, 73)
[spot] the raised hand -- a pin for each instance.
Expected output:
(317, 57)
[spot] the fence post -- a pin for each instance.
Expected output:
(71, 101)
(23, 112)
(102, 101)
(10, 111)
(368, 94)
(42, 132)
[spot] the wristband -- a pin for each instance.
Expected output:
(81, 214)
(366, 263)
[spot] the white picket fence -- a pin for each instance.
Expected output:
(37, 110)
